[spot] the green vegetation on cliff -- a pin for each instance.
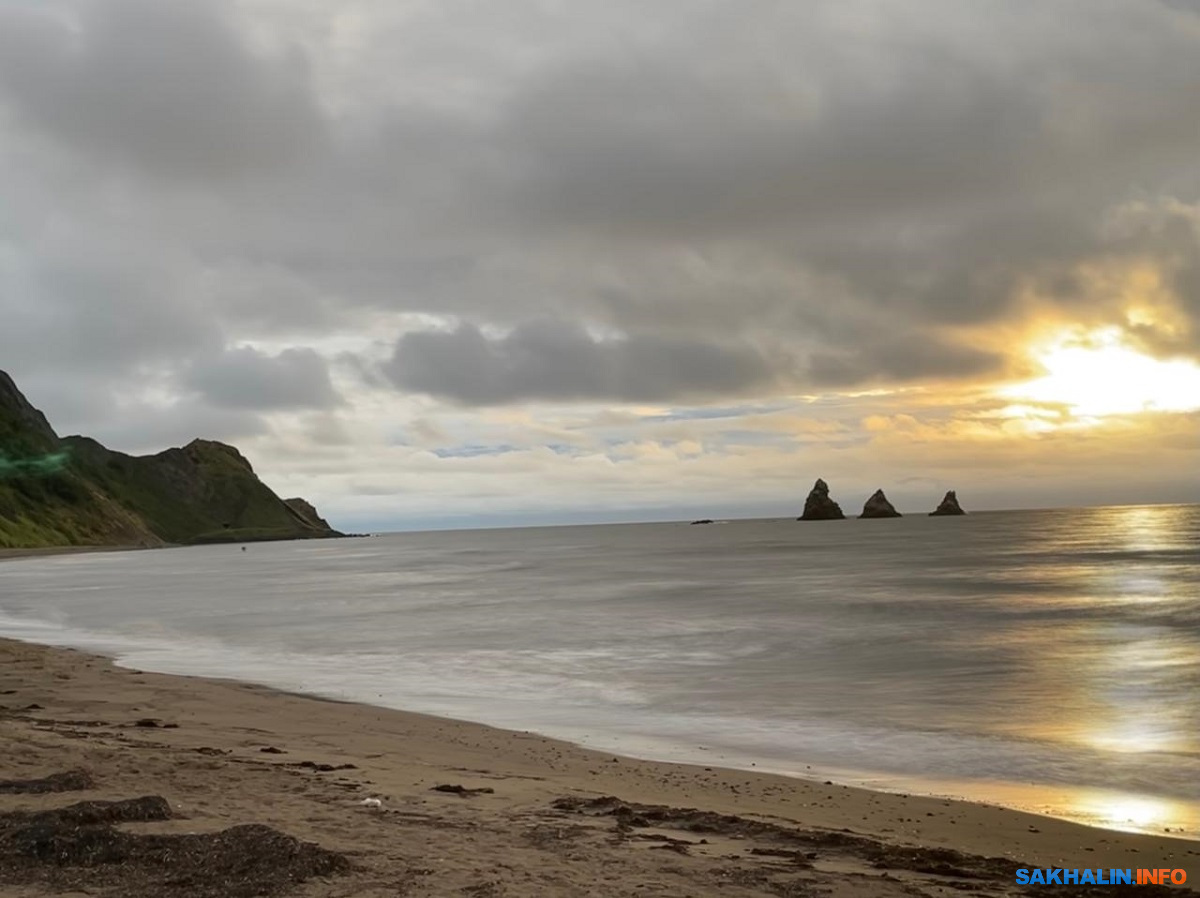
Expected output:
(74, 491)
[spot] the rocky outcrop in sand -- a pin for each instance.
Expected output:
(819, 507)
(878, 506)
(949, 506)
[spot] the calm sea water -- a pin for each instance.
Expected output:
(1044, 659)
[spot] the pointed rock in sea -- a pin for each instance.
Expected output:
(878, 506)
(819, 507)
(949, 506)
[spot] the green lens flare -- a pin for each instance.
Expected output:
(34, 466)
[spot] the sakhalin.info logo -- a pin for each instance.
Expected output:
(1111, 877)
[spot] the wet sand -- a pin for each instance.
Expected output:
(537, 817)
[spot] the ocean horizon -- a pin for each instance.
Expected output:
(1043, 659)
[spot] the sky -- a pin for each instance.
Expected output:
(450, 263)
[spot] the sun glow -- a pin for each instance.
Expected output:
(1097, 375)
(1127, 812)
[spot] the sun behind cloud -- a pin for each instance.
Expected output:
(1097, 374)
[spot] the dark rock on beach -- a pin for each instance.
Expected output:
(878, 506)
(819, 507)
(948, 506)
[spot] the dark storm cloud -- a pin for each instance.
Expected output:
(166, 86)
(557, 361)
(248, 379)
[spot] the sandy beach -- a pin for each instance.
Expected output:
(534, 816)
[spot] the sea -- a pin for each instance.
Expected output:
(1047, 660)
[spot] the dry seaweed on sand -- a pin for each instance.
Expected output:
(89, 813)
(78, 846)
(463, 790)
(67, 781)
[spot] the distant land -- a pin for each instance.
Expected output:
(72, 491)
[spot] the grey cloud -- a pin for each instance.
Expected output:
(562, 362)
(818, 127)
(1168, 234)
(248, 379)
(325, 429)
(167, 86)
(931, 162)
(647, 144)
(144, 429)
(821, 176)
(1187, 6)
(932, 170)
(79, 301)
(115, 414)
(900, 359)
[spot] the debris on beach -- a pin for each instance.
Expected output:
(67, 781)
(78, 847)
(811, 844)
(463, 790)
(153, 723)
(322, 768)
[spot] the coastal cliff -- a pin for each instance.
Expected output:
(74, 491)
(307, 512)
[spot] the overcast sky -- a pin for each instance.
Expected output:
(434, 262)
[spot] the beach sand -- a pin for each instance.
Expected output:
(225, 754)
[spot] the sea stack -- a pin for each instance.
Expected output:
(949, 506)
(819, 507)
(878, 506)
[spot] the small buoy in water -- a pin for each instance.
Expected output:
(243, 548)
(372, 803)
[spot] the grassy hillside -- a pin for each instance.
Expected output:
(43, 502)
(74, 491)
(204, 492)
(64, 510)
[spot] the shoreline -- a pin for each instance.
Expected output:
(1091, 807)
(238, 750)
